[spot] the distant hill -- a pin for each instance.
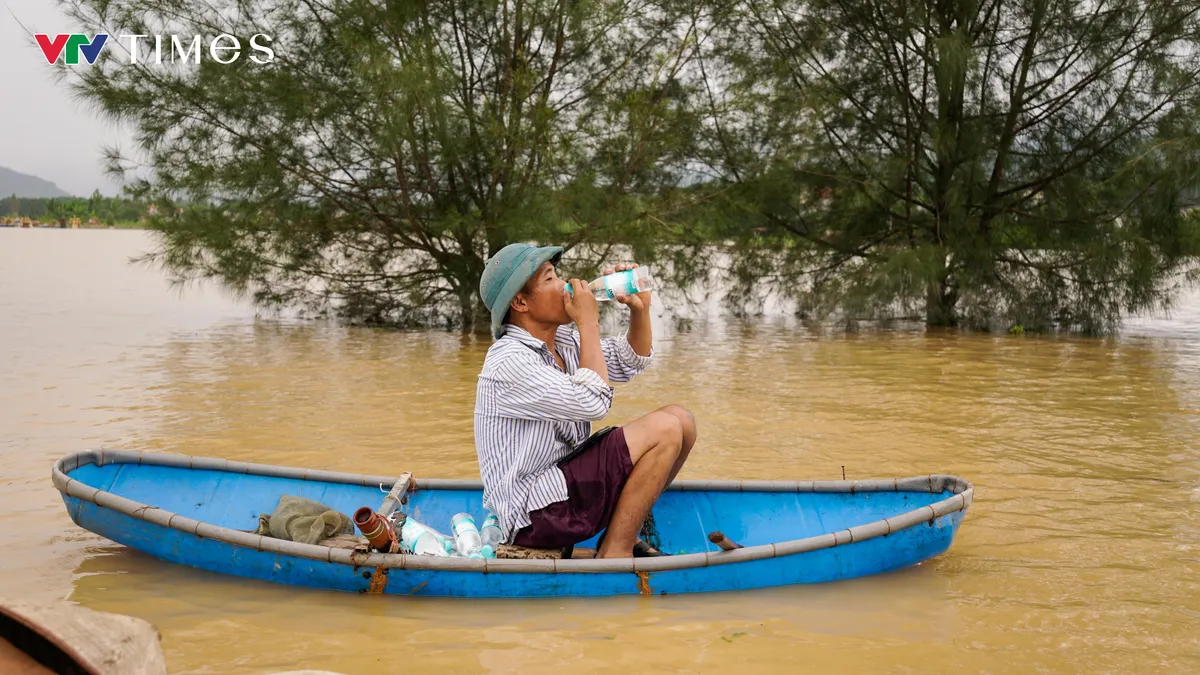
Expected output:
(24, 185)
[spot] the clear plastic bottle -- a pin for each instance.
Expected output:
(422, 539)
(466, 535)
(490, 533)
(625, 282)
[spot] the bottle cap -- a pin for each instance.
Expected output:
(487, 552)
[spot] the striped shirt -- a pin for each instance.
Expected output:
(529, 414)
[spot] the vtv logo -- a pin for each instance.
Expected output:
(73, 44)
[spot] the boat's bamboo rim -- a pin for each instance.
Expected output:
(962, 493)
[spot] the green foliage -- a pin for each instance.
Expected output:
(109, 210)
(985, 163)
(389, 148)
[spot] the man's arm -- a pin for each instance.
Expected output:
(628, 355)
(522, 387)
(591, 354)
(585, 312)
(640, 336)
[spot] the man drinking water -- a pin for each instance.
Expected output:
(549, 483)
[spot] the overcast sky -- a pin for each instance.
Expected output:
(42, 131)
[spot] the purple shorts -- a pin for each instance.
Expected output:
(595, 478)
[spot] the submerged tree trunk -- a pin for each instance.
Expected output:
(941, 292)
(940, 303)
(475, 317)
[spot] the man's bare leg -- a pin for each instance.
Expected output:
(655, 443)
(689, 436)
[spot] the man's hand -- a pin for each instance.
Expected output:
(635, 302)
(581, 307)
(585, 312)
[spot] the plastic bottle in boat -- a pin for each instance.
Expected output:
(491, 533)
(625, 282)
(466, 536)
(421, 539)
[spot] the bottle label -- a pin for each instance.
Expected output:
(620, 283)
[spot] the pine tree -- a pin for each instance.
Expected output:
(980, 163)
(389, 147)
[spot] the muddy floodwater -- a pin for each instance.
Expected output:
(1081, 552)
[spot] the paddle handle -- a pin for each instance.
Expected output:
(396, 496)
(721, 540)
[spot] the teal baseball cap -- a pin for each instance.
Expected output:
(506, 272)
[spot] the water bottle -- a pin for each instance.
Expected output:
(625, 282)
(421, 539)
(490, 533)
(466, 535)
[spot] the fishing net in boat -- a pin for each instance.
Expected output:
(304, 521)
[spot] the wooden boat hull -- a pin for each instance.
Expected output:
(196, 512)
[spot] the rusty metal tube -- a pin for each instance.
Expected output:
(375, 528)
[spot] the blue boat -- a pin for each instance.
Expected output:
(202, 512)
